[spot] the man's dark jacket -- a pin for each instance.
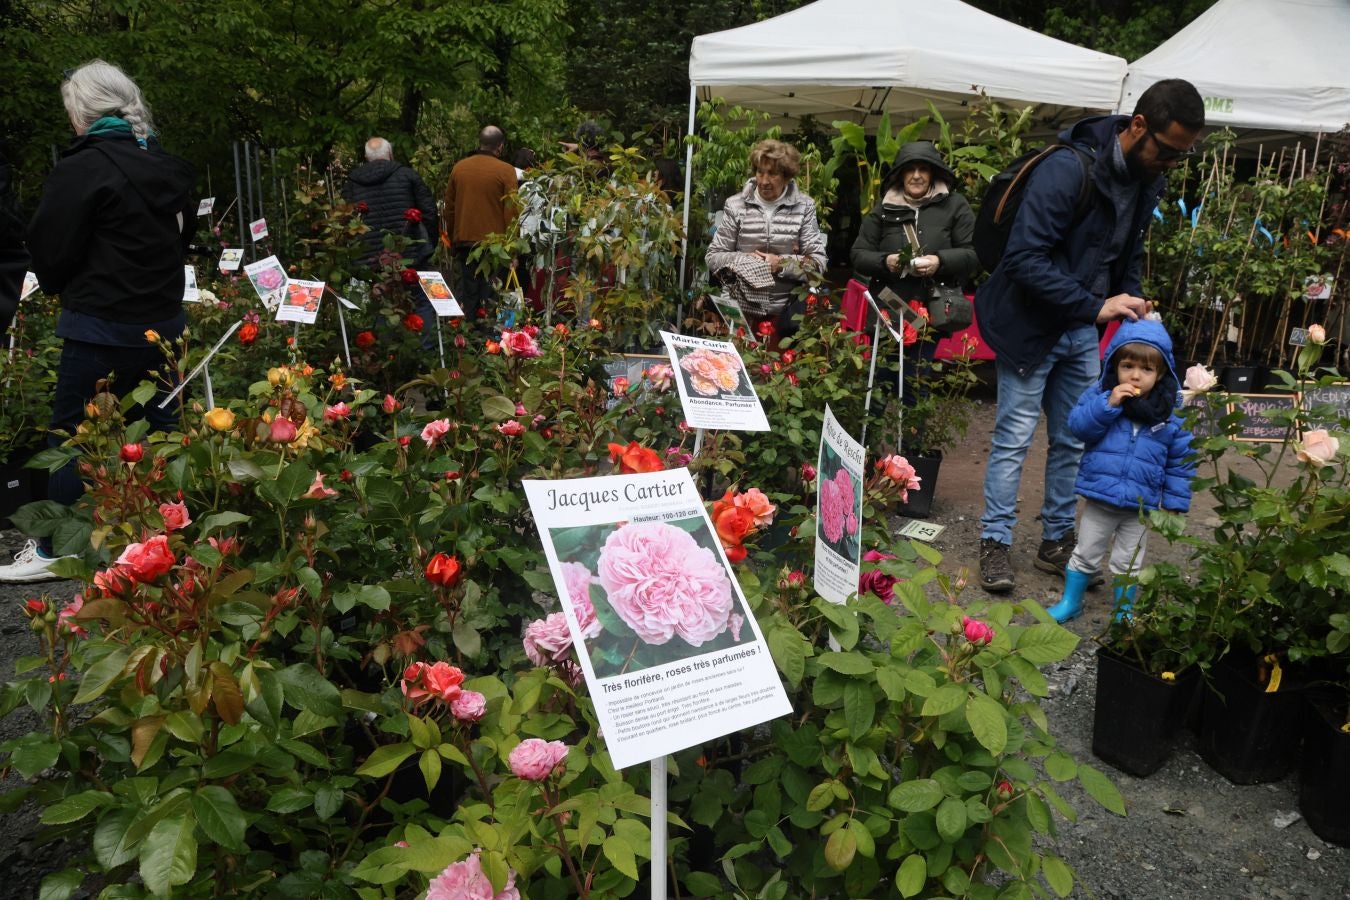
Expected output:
(13, 256)
(389, 190)
(113, 227)
(1041, 287)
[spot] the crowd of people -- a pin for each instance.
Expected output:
(113, 227)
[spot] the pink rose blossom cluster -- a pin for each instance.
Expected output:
(339, 410)
(1199, 379)
(465, 880)
(660, 376)
(712, 372)
(519, 343)
(434, 431)
(899, 471)
(837, 513)
(317, 491)
(431, 681)
(548, 640)
(148, 560)
(65, 620)
(578, 580)
(663, 584)
(875, 581)
(758, 504)
(535, 759)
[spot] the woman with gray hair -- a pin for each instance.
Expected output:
(109, 236)
(769, 241)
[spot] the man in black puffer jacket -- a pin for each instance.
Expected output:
(396, 201)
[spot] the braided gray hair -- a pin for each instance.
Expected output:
(98, 89)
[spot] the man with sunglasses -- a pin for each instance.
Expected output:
(1065, 270)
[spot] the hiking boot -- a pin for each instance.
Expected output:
(1054, 555)
(30, 564)
(996, 574)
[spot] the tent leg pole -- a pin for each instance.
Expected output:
(688, 180)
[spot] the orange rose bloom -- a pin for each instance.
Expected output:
(635, 458)
(444, 570)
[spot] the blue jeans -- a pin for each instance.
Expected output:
(1055, 385)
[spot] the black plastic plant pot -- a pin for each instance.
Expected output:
(16, 489)
(1137, 715)
(1246, 734)
(1239, 379)
(1324, 773)
(920, 502)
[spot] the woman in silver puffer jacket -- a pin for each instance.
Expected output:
(769, 236)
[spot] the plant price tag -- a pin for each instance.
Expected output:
(921, 531)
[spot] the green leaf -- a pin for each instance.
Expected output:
(1045, 643)
(944, 700)
(467, 639)
(1100, 788)
(951, 819)
(1060, 766)
(430, 764)
(1057, 874)
(916, 796)
(988, 722)
(219, 817)
(102, 674)
(386, 759)
(498, 408)
(33, 753)
(289, 799)
(820, 798)
(114, 841)
(860, 708)
(840, 849)
(76, 807)
(327, 801)
(790, 650)
(169, 854)
(305, 689)
(221, 520)
(618, 852)
(60, 885)
(848, 663)
(912, 875)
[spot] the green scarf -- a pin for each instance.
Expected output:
(109, 125)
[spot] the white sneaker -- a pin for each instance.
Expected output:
(30, 565)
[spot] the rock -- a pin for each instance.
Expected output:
(1285, 819)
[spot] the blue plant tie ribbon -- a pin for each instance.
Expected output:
(1265, 232)
(1157, 214)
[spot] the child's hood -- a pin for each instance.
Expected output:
(1141, 331)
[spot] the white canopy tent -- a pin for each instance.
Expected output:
(852, 59)
(1266, 64)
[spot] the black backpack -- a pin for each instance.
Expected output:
(1003, 198)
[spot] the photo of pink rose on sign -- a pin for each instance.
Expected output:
(715, 389)
(839, 495)
(258, 229)
(649, 615)
(268, 277)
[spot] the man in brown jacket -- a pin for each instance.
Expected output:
(476, 205)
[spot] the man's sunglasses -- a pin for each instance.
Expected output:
(1168, 153)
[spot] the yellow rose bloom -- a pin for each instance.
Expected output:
(151, 336)
(1169, 676)
(220, 419)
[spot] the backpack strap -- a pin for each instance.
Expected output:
(1080, 206)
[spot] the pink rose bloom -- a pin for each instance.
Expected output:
(520, 409)
(317, 491)
(735, 622)
(435, 430)
(511, 428)
(65, 620)
(270, 279)
(660, 376)
(175, 516)
(837, 514)
(876, 582)
(1199, 379)
(337, 411)
(662, 583)
(548, 640)
(465, 880)
(534, 759)
(114, 581)
(1318, 447)
(1317, 334)
(808, 473)
(758, 504)
(283, 430)
(390, 405)
(147, 561)
(427, 681)
(976, 631)
(518, 343)
(469, 706)
(578, 580)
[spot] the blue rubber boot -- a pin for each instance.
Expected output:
(1124, 597)
(1070, 606)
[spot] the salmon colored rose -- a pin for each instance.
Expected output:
(444, 570)
(431, 681)
(175, 516)
(635, 458)
(147, 561)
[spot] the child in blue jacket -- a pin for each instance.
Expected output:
(1136, 458)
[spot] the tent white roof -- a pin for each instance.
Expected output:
(851, 59)
(1270, 64)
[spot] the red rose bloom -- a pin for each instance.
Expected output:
(363, 207)
(412, 214)
(444, 570)
(409, 276)
(413, 322)
(635, 458)
(248, 333)
(132, 453)
(365, 339)
(766, 328)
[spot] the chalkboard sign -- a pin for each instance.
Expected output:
(1195, 413)
(630, 366)
(1257, 423)
(1337, 395)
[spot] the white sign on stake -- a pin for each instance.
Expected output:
(258, 229)
(839, 495)
(301, 302)
(438, 293)
(715, 388)
(206, 205)
(191, 293)
(30, 284)
(670, 651)
(230, 259)
(268, 277)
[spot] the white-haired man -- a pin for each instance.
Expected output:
(396, 200)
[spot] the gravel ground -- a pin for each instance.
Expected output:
(1189, 833)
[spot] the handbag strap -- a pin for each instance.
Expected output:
(512, 280)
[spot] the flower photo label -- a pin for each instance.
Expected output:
(715, 388)
(439, 295)
(839, 496)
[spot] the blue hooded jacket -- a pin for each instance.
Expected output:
(1128, 463)
(1041, 287)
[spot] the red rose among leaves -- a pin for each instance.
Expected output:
(248, 333)
(444, 570)
(147, 561)
(409, 276)
(365, 339)
(413, 322)
(412, 214)
(635, 458)
(132, 453)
